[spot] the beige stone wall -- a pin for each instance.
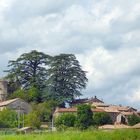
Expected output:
(20, 106)
(3, 90)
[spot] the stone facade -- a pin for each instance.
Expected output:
(17, 104)
(3, 90)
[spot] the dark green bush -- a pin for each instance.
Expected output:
(101, 118)
(8, 119)
(84, 116)
(67, 120)
(133, 119)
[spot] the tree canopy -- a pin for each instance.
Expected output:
(44, 77)
(66, 78)
(29, 70)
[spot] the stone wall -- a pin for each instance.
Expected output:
(3, 90)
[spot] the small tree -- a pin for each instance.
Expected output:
(33, 120)
(66, 120)
(8, 119)
(46, 110)
(101, 118)
(19, 93)
(133, 119)
(84, 116)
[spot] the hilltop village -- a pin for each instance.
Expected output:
(119, 114)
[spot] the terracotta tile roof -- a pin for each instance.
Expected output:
(99, 104)
(86, 100)
(98, 110)
(115, 108)
(4, 103)
(109, 109)
(127, 113)
(62, 110)
(96, 100)
(121, 108)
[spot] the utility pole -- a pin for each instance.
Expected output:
(52, 123)
(19, 116)
(23, 120)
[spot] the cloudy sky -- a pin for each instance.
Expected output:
(103, 34)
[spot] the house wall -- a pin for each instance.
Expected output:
(20, 106)
(119, 119)
(113, 116)
(3, 90)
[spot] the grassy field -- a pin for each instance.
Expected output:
(71, 135)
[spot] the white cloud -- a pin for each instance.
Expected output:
(112, 73)
(104, 35)
(135, 97)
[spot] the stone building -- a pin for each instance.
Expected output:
(16, 104)
(119, 114)
(93, 101)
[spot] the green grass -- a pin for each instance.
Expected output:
(76, 135)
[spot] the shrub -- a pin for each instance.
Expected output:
(133, 119)
(8, 118)
(101, 118)
(33, 120)
(67, 120)
(84, 116)
(45, 110)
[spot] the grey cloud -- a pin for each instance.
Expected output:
(105, 33)
(20, 11)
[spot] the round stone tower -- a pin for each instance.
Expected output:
(3, 90)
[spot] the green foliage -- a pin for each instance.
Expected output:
(66, 78)
(8, 118)
(133, 119)
(12, 86)
(29, 70)
(33, 120)
(101, 118)
(20, 93)
(44, 77)
(67, 120)
(30, 95)
(46, 110)
(84, 116)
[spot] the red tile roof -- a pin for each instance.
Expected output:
(62, 110)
